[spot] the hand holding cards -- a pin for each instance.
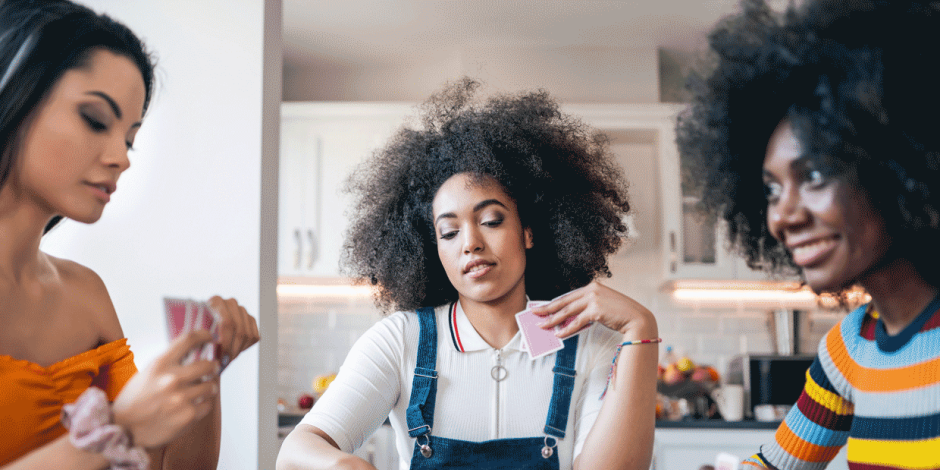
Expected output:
(537, 340)
(185, 315)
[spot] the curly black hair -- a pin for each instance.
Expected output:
(856, 80)
(558, 171)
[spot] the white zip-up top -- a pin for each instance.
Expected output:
(375, 382)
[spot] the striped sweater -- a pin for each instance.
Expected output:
(878, 394)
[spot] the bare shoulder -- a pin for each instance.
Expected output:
(89, 296)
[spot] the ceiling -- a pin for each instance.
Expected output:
(370, 32)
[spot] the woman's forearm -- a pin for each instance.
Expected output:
(622, 435)
(309, 448)
(59, 454)
(198, 447)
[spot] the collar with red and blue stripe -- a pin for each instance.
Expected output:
(454, 330)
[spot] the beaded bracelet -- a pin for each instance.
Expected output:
(613, 364)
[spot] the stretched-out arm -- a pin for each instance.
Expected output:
(307, 448)
(622, 434)
(355, 404)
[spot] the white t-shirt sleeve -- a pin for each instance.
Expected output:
(365, 389)
(601, 345)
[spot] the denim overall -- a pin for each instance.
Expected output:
(432, 452)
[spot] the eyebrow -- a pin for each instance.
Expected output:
(798, 162)
(114, 106)
(476, 208)
(111, 102)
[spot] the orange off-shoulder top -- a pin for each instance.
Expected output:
(32, 396)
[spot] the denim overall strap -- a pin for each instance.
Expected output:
(562, 389)
(420, 411)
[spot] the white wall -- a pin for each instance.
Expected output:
(571, 74)
(187, 218)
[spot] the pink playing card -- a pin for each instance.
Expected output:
(539, 303)
(538, 341)
(184, 315)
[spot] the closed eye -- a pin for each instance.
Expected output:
(94, 124)
(493, 223)
(448, 235)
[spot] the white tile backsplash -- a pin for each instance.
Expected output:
(316, 336)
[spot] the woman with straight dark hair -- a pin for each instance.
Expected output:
(74, 87)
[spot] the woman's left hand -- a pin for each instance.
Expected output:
(596, 302)
(237, 329)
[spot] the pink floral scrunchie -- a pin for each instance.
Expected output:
(91, 429)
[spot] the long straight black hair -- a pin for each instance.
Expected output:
(39, 41)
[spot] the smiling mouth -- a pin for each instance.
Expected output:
(809, 253)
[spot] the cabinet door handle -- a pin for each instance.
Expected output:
(313, 249)
(673, 256)
(298, 253)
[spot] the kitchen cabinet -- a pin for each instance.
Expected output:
(321, 144)
(689, 449)
(692, 247)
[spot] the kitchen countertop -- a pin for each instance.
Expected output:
(717, 424)
(285, 420)
(291, 419)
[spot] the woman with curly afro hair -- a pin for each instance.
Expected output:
(817, 132)
(461, 223)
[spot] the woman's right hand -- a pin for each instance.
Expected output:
(161, 401)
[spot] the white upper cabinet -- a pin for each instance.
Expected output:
(692, 247)
(321, 144)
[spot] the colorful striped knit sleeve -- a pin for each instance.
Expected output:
(813, 431)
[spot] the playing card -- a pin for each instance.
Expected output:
(539, 303)
(184, 315)
(538, 341)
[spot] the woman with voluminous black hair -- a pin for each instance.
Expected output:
(817, 135)
(462, 223)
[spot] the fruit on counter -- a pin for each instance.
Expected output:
(713, 373)
(672, 375)
(700, 374)
(322, 382)
(659, 372)
(685, 365)
(305, 402)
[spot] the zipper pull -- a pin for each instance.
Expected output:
(498, 372)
